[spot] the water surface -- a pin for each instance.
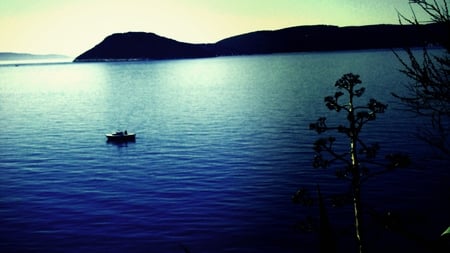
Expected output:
(222, 144)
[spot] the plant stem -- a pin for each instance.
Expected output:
(356, 178)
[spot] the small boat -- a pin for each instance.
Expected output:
(120, 136)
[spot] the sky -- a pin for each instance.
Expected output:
(71, 27)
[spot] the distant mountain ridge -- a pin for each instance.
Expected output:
(149, 46)
(9, 56)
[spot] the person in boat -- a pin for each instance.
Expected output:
(126, 133)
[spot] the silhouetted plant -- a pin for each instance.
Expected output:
(359, 162)
(429, 91)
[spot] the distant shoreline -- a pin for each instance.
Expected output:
(35, 61)
(70, 60)
(13, 56)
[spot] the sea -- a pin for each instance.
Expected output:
(222, 145)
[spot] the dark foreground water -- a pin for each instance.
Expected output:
(222, 144)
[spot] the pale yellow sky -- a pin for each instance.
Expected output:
(71, 27)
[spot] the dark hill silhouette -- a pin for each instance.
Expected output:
(145, 46)
(325, 38)
(140, 45)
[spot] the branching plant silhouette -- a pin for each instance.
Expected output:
(429, 92)
(359, 162)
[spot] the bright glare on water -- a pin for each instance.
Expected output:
(222, 144)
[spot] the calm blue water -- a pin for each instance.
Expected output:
(222, 144)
